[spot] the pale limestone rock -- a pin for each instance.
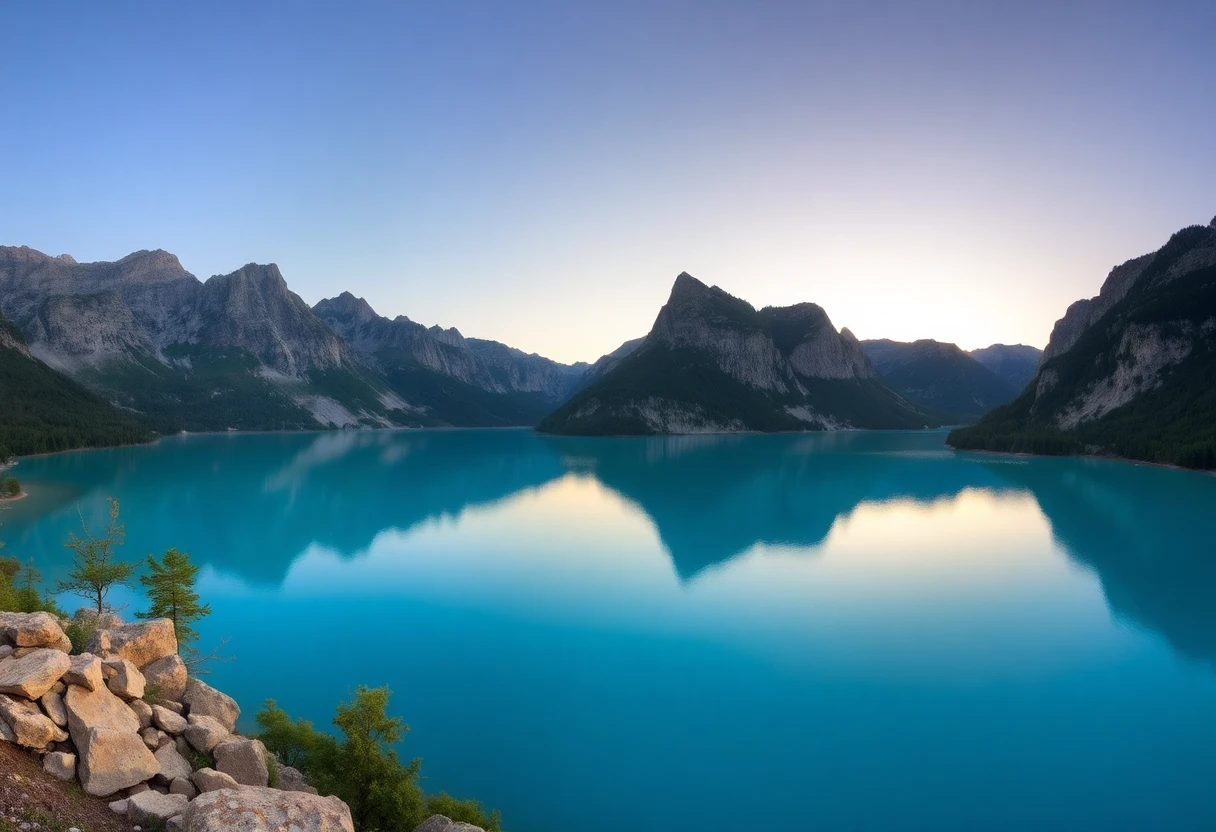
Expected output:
(29, 726)
(205, 732)
(154, 807)
(244, 760)
(97, 709)
(210, 780)
(292, 780)
(123, 678)
(85, 672)
(118, 807)
(266, 810)
(34, 674)
(52, 705)
(204, 700)
(31, 629)
(141, 644)
(6, 650)
(172, 764)
(182, 785)
(60, 764)
(137, 788)
(111, 760)
(151, 737)
(143, 712)
(167, 676)
(167, 720)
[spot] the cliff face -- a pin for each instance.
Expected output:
(712, 363)
(240, 350)
(1129, 372)
(462, 381)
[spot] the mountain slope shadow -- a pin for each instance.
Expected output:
(712, 498)
(1145, 532)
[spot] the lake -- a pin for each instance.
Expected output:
(834, 631)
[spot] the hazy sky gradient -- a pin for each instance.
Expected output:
(538, 173)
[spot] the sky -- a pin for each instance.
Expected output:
(539, 172)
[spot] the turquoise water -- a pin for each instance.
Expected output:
(841, 631)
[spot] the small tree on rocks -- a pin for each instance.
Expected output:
(170, 585)
(94, 570)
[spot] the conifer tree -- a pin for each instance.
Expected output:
(170, 585)
(94, 570)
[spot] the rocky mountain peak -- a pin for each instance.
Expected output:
(346, 307)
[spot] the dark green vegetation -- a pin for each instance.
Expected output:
(940, 377)
(1173, 422)
(9, 488)
(95, 570)
(450, 401)
(42, 410)
(170, 587)
(362, 767)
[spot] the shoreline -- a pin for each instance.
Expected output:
(1103, 457)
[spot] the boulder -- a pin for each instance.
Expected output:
(141, 644)
(6, 650)
(151, 737)
(292, 780)
(442, 823)
(123, 678)
(52, 705)
(167, 721)
(85, 672)
(137, 788)
(204, 700)
(167, 677)
(32, 629)
(34, 674)
(266, 810)
(97, 709)
(27, 723)
(60, 765)
(205, 732)
(154, 807)
(142, 711)
(119, 807)
(182, 785)
(172, 764)
(6, 733)
(112, 760)
(175, 824)
(210, 780)
(244, 760)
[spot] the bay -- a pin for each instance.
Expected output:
(845, 630)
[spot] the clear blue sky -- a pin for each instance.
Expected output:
(540, 172)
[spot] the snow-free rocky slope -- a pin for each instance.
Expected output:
(459, 381)
(241, 351)
(940, 377)
(713, 363)
(1016, 363)
(1131, 372)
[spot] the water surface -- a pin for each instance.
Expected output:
(838, 631)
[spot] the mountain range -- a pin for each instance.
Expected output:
(712, 363)
(241, 351)
(1130, 372)
(941, 377)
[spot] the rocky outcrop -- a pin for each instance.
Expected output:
(1127, 372)
(34, 673)
(712, 363)
(142, 755)
(266, 810)
(204, 700)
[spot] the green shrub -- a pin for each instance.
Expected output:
(9, 487)
(363, 768)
